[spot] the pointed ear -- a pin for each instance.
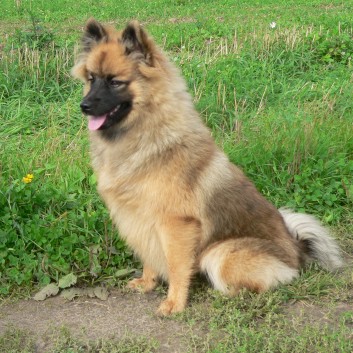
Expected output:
(136, 40)
(94, 33)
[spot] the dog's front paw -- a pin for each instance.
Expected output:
(169, 307)
(141, 285)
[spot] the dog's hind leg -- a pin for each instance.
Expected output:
(245, 263)
(146, 283)
(179, 238)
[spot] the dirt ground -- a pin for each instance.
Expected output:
(128, 314)
(91, 319)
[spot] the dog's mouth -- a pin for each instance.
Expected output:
(106, 120)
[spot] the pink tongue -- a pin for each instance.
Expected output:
(95, 122)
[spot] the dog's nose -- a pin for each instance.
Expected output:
(85, 107)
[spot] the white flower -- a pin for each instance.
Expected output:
(273, 24)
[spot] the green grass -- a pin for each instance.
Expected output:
(278, 100)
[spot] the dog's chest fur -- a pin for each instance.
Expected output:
(136, 198)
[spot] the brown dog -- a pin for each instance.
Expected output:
(174, 196)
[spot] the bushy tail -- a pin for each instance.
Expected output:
(320, 246)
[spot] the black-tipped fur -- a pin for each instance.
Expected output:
(131, 39)
(137, 43)
(94, 34)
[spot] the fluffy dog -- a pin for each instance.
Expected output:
(176, 199)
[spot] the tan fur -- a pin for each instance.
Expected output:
(174, 196)
(245, 263)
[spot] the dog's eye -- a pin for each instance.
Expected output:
(91, 78)
(116, 83)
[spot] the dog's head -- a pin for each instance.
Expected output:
(116, 68)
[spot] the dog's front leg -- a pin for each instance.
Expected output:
(179, 237)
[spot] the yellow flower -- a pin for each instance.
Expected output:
(28, 178)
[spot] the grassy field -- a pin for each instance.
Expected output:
(272, 80)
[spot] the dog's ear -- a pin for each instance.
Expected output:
(136, 41)
(94, 33)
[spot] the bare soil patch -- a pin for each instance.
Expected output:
(123, 314)
(315, 314)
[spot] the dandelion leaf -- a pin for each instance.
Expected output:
(124, 273)
(48, 291)
(71, 293)
(101, 293)
(90, 292)
(96, 292)
(67, 281)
